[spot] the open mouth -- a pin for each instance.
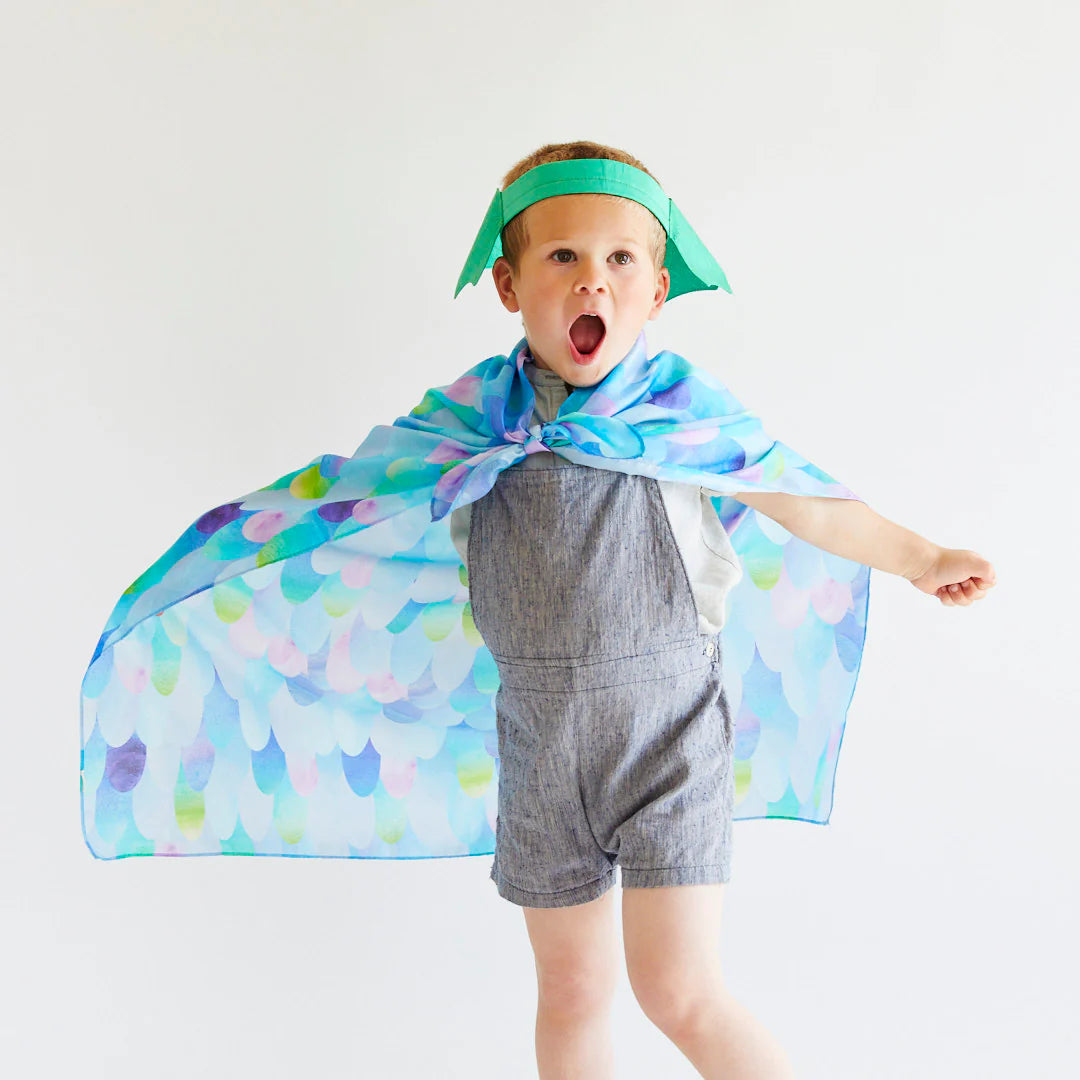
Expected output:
(586, 333)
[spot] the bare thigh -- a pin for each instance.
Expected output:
(671, 934)
(576, 950)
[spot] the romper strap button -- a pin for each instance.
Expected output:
(710, 648)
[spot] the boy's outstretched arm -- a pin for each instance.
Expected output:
(850, 529)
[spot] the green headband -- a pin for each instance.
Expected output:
(688, 260)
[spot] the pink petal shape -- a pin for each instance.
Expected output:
(134, 678)
(464, 390)
(245, 637)
(383, 687)
(340, 674)
(789, 603)
(285, 657)
(397, 776)
(366, 511)
(831, 600)
(447, 450)
(264, 525)
(303, 774)
(357, 572)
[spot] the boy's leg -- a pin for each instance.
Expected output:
(672, 938)
(577, 961)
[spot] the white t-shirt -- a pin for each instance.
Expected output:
(712, 567)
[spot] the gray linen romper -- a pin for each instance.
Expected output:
(615, 740)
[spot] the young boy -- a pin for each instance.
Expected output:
(309, 670)
(600, 594)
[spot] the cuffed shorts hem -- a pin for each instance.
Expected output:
(703, 874)
(579, 894)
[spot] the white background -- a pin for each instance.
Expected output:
(229, 235)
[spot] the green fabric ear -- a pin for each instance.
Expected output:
(690, 264)
(483, 254)
(688, 260)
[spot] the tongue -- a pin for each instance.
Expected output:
(586, 333)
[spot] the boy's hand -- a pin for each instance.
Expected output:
(956, 576)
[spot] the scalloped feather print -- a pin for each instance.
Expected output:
(300, 674)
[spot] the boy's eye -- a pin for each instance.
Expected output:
(567, 251)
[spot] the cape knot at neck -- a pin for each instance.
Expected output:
(541, 437)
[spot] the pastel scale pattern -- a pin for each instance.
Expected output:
(300, 675)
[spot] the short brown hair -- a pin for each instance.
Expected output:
(515, 236)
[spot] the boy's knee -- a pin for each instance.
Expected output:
(675, 1001)
(574, 989)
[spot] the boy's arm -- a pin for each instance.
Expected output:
(848, 528)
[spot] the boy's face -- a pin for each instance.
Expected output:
(586, 253)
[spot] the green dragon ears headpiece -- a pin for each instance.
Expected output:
(688, 261)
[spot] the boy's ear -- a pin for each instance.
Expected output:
(504, 283)
(663, 287)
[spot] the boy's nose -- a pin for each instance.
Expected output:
(591, 282)
(590, 274)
